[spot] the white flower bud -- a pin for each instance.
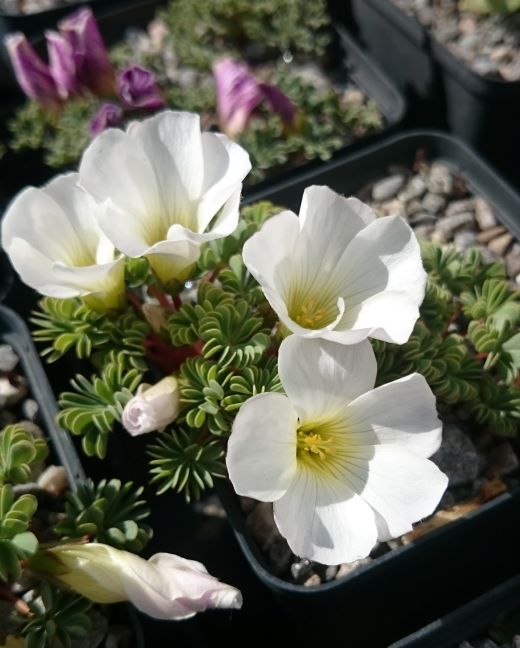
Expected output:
(152, 408)
(165, 586)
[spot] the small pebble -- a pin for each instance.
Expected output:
(434, 203)
(8, 358)
(465, 239)
(30, 409)
(300, 570)
(484, 214)
(449, 224)
(313, 581)
(500, 244)
(11, 394)
(348, 568)
(460, 207)
(414, 189)
(513, 260)
(54, 480)
(440, 180)
(387, 188)
(489, 234)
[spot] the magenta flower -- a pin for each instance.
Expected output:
(31, 72)
(239, 93)
(62, 65)
(108, 115)
(93, 68)
(138, 88)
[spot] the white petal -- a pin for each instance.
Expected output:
(325, 521)
(226, 164)
(388, 316)
(47, 220)
(399, 485)
(385, 256)
(267, 253)
(261, 454)
(115, 167)
(401, 413)
(328, 224)
(172, 142)
(170, 587)
(321, 377)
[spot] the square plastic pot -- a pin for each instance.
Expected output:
(403, 590)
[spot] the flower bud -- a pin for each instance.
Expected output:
(165, 586)
(109, 115)
(138, 88)
(152, 408)
(32, 74)
(93, 68)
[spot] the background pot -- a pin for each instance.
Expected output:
(442, 89)
(468, 621)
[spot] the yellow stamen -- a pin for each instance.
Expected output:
(312, 443)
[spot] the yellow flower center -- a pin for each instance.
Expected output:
(313, 312)
(312, 443)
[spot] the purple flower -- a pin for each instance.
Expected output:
(138, 88)
(239, 93)
(31, 72)
(93, 68)
(62, 65)
(109, 114)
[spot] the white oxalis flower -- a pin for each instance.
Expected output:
(55, 244)
(165, 188)
(337, 272)
(165, 586)
(345, 464)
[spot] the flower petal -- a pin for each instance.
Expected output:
(172, 142)
(385, 256)
(388, 316)
(226, 164)
(266, 253)
(321, 377)
(115, 170)
(324, 520)
(261, 454)
(399, 485)
(330, 222)
(400, 413)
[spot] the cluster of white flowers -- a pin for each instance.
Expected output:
(346, 465)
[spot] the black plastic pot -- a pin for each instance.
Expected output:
(483, 112)
(368, 77)
(401, 46)
(14, 332)
(468, 621)
(403, 590)
(115, 14)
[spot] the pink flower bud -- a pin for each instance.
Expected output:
(152, 408)
(31, 72)
(93, 68)
(239, 93)
(62, 64)
(165, 586)
(108, 115)
(138, 88)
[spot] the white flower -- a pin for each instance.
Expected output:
(165, 586)
(344, 464)
(152, 408)
(165, 188)
(55, 244)
(338, 273)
